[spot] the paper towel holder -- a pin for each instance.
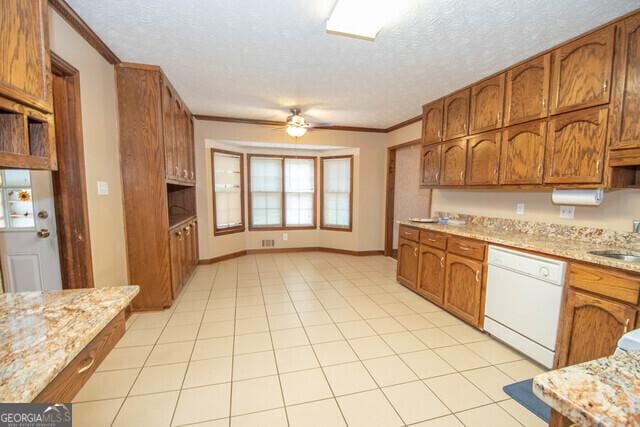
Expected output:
(586, 197)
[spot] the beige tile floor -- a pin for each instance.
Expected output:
(305, 339)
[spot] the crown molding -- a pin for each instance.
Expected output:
(78, 24)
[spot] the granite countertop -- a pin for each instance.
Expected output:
(602, 392)
(41, 332)
(551, 245)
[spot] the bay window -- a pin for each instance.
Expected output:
(337, 192)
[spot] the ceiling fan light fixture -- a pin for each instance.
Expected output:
(296, 131)
(359, 18)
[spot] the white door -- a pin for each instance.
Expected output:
(28, 239)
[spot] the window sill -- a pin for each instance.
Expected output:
(225, 231)
(280, 228)
(330, 228)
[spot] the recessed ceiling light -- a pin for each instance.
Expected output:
(359, 18)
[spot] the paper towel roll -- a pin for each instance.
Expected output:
(578, 197)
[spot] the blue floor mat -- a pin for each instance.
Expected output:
(522, 392)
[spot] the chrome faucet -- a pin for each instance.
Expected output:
(636, 226)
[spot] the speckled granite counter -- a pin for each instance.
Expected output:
(603, 392)
(551, 244)
(41, 332)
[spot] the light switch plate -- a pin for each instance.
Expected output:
(567, 212)
(285, 236)
(520, 208)
(103, 188)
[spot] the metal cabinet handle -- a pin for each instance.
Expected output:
(605, 86)
(185, 173)
(461, 174)
(439, 133)
(598, 167)
(540, 169)
(499, 117)
(192, 175)
(88, 366)
(179, 234)
(437, 176)
(442, 262)
(464, 248)
(544, 102)
(466, 125)
(415, 251)
(626, 326)
(478, 276)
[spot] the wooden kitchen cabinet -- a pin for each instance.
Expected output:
(184, 253)
(25, 70)
(431, 268)
(523, 153)
(453, 162)
(430, 164)
(178, 138)
(407, 267)
(432, 116)
(176, 247)
(581, 72)
(576, 144)
(625, 105)
(456, 115)
(487, 102)
(483, 159)
(591, 326)
(463, 288)
(527, 91)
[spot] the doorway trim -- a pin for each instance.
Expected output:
(69, 181)
(390, 195)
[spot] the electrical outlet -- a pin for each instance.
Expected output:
(567, 212)
(103, 188)
(285, 236)
(520, 208)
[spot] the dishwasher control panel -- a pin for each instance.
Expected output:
(531, 265)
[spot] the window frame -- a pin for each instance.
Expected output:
(324, 226)
(239, 228)
(283, 195)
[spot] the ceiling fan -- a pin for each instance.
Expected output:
(296, 125)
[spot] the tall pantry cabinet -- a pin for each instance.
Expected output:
(158, 175)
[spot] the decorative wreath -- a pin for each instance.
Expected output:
(24, 196)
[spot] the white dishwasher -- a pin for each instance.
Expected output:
(524, 294)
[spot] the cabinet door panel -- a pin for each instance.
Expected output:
(453, 163)
(591, 327)
(487, 101)
(432, 122)
(456, 115)
(523, 148)
(527, 90)
(483, 159)
(25, 67)
(625, 127)
(431, 274)
(463, 288)
(576, 146)
(407, 268)
(430, 164)
(175, 247)
(169, 131)
(582, 72)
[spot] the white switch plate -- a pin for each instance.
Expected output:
(285, 236)
(103, 188)
(567, 212)
(520, 208)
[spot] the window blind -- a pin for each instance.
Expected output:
(336, 195)
(299, 187)
(228, 190)
(266, 191)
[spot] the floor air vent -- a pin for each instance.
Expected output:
(268, 243)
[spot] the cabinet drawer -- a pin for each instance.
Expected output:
(467, 248)
(410, 233)
(436, 240)
(70, 380)
(617, 285)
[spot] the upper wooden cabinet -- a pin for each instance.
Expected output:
(576, 146)
(463, 288)
(25, 67)
(407, 269)
(177, 136)
(625, 110)
(456, 115)
(432, 115)
(527, 90)
(487, 102)
(523, 148)
(483, 159)
(430, 164)
(453, 163)
(581, 75)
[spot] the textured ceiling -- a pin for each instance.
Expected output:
(257, 58)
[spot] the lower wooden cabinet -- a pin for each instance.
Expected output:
(407, 272)
(184, 254)
(431, 268)
(591, 327)
(463, 288)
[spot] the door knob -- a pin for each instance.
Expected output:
(43, 214)
(43, 233)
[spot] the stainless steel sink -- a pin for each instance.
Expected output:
(629, 256)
